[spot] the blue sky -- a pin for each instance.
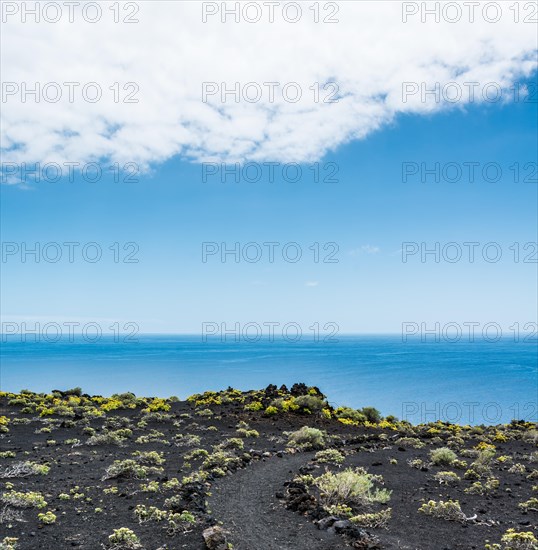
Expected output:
(151, 72)
(368, 213)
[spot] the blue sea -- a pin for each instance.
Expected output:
(468, 382)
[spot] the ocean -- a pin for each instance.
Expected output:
(467, 382)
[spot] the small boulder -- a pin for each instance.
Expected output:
(215, 538)
(341, 525)
(326, 522)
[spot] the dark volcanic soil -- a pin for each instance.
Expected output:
(247, 505)
(242, 488)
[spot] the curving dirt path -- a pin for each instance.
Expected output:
(246, 504)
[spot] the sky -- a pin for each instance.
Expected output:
(205, 202)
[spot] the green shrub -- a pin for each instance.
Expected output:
(307, 438)
(144, 513)
(151, 487)
(233, 443)
(351, 487)
(375, 520)
(512, 540)
(180, 522)
(110, 438)
(531, 504)
(196, 453)
(187, 440)
(449, 510)
(480, 468)
(254, 406)
(287, 404)
(306, 479)
(8, 543)
(371, 414)
(339, 510)
(447, 478)
(417, 463)
(347, 413)
(244, 432)
(126, 468)
(174, 503)
(205, 412)
(150, 458)
(271, 411)
(47, 519)
(330, 455)
(310, 403)
(220, 459)
(44, 430)
(157, 404)
(171, 484)
(477, 488)
(25, 469)
(24, 500)
(153, 436)
(157, 417)
(124, 538)
(410, 442)
(455, 442)
(517, 468)
(443, 456)
(459, 464)
(7, 454)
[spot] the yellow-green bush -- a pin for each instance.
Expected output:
(47, 519)
(449, 510)
(354, 487)
(513, 540)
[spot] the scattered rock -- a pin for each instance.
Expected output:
(215, 538)
(271, 391)
(326, 522)
(341, 525)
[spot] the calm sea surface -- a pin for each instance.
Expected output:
(464, 382)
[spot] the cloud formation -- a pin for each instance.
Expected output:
(371, 64)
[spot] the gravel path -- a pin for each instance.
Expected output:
(246, 504)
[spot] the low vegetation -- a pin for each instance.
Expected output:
(352, 488)
(145, 469)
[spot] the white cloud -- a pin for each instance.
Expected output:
(312, 283)
(365, 248)
(369, 249)
(170, 53)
